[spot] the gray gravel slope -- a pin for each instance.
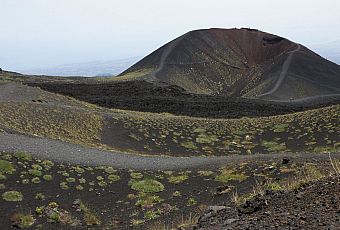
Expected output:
(75, 154)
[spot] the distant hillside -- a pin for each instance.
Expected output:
(88, 69)
(239, 62)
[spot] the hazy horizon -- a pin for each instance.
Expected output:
(40, 33)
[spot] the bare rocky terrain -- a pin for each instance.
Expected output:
(313, 206)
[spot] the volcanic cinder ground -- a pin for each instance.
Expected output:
(218, 129)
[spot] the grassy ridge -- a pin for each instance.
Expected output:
(151, 133)
(66, 123)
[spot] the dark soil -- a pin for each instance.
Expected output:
(148, 97)
(115, 203)
(314, 206)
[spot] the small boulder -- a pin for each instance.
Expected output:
(285, 161)
(215, 208)
(230, 221)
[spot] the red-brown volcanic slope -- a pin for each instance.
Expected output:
(241, 62)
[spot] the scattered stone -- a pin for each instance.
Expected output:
(229, 221)
(285, 161)
(215, 208)
(222, 190)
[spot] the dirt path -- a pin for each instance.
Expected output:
(167, 50)
(283, 73)
(70, 153)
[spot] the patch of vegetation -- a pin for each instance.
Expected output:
(176, 194)
(39, 196)
(206, 139)
(177, 179)
(67, 123)
(146, 200)
(273, 146)
(205, 173)
(189, 145)
(113, 177)
(191, 202)
(48, 177)
(35, 172)
(147, 186)
(151, 214)
(273, 186)
(23, 156)
(6, 167)
(22, 221)
(12, 196)
(64, 186)
(136, 175)
(36, 180)
(70, 180)
(2, 177)
(90, 217)
(55, 214)
(309, 173)
(79, 170)
(110, 170)
(79, 187)
(279, 128)
(227, 175)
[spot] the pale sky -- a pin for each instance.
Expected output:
(40, 33)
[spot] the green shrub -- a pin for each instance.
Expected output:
(229, 175)
(64, 186)
(273, 146)
(147, 186)
(113, 177)
(39, 196)
(151, 215)
(205, 173)
(2, 177)
(25, 181)
(36, 180)
(47, 177)
(102, 183)
(189, 145)
(191, 202)
(22, 221)
(70, 180)
(146, 200)
(136, 175)
(177, 179)
(79, 170)
(176, 194)
(12, 196)
(37, 167)
(35, 172)
(79, 187)
(110, 170)
(273, 186)
(6, 167)
(23, 156)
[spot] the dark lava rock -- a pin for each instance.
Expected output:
(313, 206)
(285, 161)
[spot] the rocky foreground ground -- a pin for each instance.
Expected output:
(313, 206)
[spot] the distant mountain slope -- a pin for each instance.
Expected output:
(240, 62)
(88, 69)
